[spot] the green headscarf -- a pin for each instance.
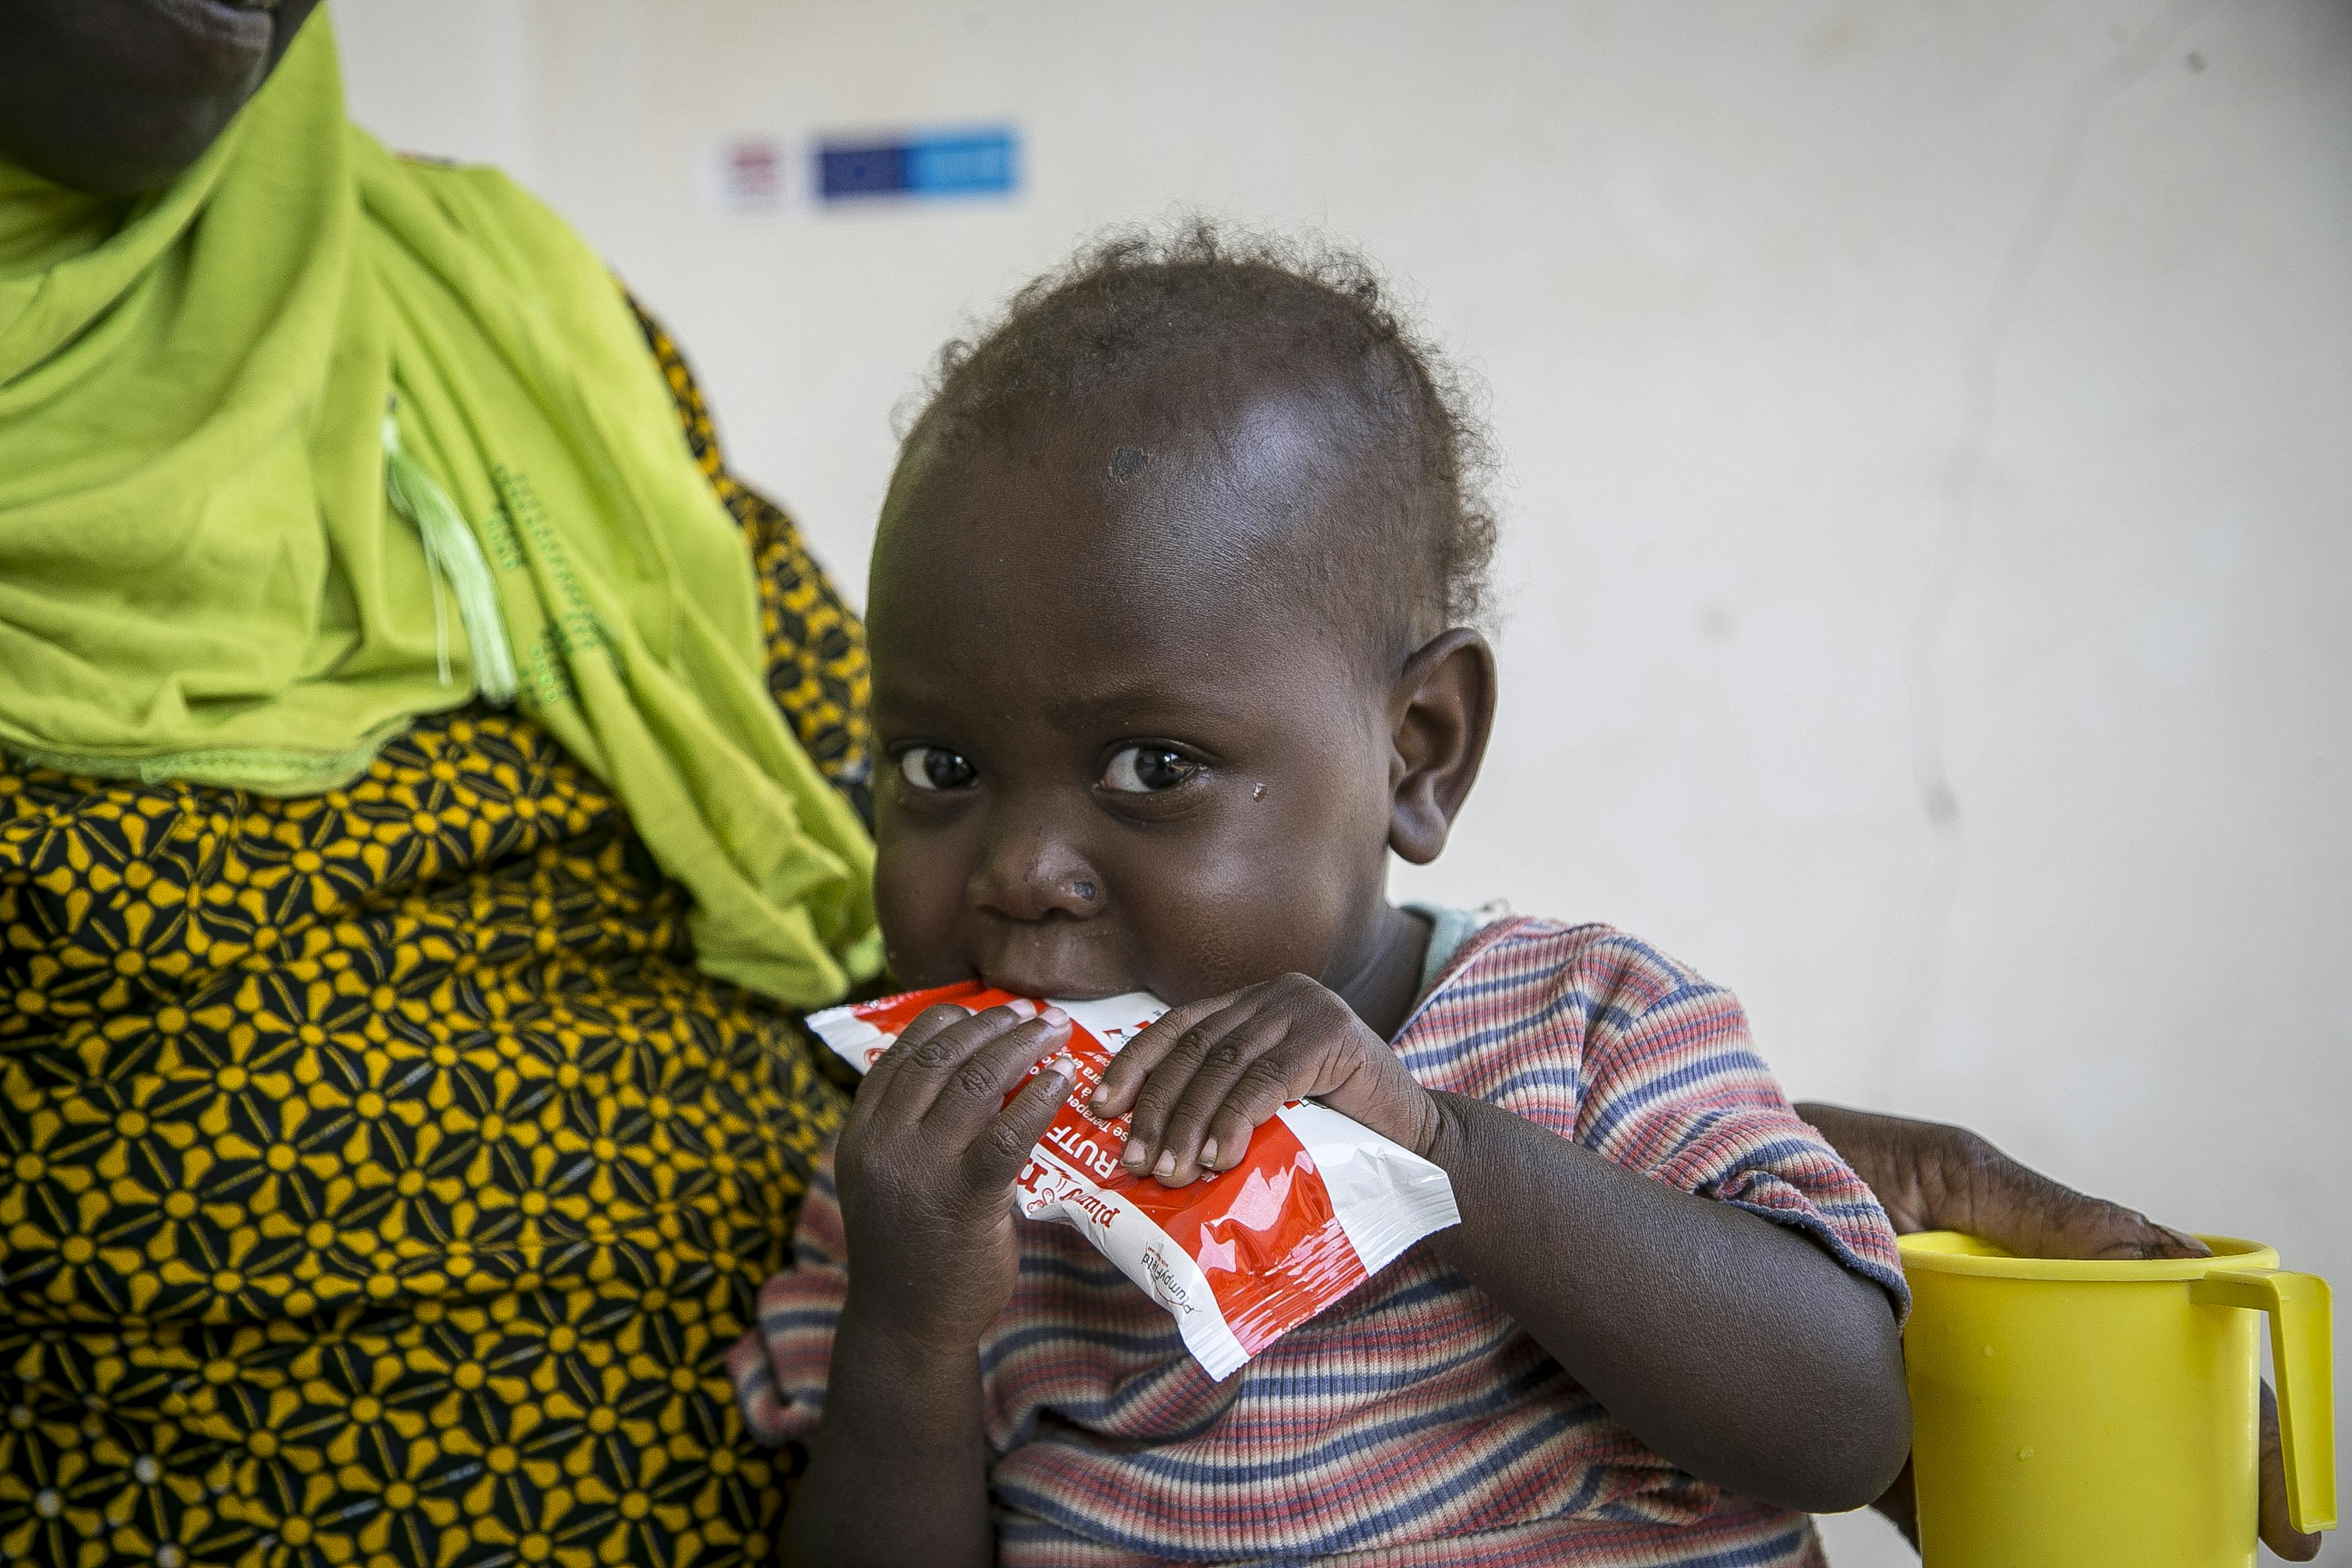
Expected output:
(200, 578)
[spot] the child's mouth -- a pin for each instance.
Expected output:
(1080, 963)
(1054, 989)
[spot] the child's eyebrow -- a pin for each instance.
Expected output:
(1189, 696)
(1139, 700)
(1075, 706)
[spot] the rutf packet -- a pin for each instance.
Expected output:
(1317, 1205)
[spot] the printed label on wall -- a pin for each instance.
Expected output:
(744, 176)
(982, 163)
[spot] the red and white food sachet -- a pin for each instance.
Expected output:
(1318, 1205)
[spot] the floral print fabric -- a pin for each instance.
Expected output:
(380, 1183)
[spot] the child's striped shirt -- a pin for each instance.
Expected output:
(1414, 1425)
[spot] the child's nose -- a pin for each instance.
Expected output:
(1031, 875)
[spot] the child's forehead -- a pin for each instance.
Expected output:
(1190, 506)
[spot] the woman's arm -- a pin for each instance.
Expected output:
(1734, 1347)
(1933, 1177)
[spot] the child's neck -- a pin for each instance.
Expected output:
(1384, 980)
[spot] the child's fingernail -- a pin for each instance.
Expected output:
(1209, 1152)
(1131, 1153)
(1055, 1015)
(1022, 1008)
(1167, 1163)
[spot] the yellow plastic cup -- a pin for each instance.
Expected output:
(2068, 1415)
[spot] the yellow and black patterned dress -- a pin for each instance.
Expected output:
(385, 1183)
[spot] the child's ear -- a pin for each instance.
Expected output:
(1440, 716)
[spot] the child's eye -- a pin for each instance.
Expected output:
(936, 768)
(1146, 770)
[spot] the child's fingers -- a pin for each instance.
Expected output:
(1263, 1090)
(918, 1064)
(866, 1106)
(923, 1026)
(1245, 1059)
(1127, 1070)
(931, 1021)
(975, 1090)
(997, 1155)
(1180, 1057)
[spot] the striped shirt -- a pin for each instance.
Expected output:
(1415, 1424)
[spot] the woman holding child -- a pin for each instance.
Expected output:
(430, 788)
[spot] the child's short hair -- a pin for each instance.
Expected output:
(1137, 304)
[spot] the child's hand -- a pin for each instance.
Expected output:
(927, 1163)
(1204, 1076)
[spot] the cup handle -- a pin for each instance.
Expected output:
(2302, 1353)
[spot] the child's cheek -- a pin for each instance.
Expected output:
(1242, 916)
(920, 904)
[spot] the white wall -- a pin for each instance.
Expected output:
(1930, 479)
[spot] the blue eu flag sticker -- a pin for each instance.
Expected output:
(953, 163)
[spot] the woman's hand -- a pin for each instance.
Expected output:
(1204, 1076)
(1933, 1177)
(927, 1163)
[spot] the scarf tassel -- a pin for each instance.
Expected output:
(453, 556)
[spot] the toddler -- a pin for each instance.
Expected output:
(1172, 613)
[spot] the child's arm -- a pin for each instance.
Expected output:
(898, 1469)
(1741, 1351)
(1733, 1346)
